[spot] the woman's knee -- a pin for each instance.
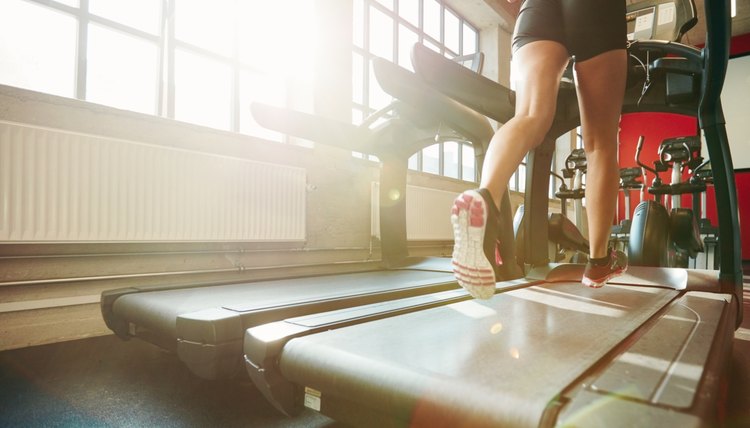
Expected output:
(535, 127)
(601, 145)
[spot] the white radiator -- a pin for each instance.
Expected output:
(427, 213)
(57, 185)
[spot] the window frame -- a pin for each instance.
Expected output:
(362, 32)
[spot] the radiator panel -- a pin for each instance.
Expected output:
(57, 185)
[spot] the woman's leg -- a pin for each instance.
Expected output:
(538, 68)
(600, 83)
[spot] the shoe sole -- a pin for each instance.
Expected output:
(473, 271)
(599, 284)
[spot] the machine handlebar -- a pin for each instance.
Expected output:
(570, 194)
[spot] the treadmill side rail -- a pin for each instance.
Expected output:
(670, 374)
(263, 345)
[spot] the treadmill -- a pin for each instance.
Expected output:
(649, 349)
(205, 324)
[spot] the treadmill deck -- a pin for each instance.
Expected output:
(497, 362)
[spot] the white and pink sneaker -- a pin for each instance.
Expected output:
(474, 219)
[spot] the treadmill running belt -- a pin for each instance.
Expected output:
(476, 363)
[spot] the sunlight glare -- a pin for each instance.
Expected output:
(567, 303)
(496, 328)
(270, 332)
(472, 309)
(279, 37)
(31, 58)
(742, 334)
(206, 25)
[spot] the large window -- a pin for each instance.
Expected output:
(192, 60)
(388, 29)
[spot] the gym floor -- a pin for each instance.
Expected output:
(107, 382)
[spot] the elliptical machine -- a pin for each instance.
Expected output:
(710, 258)
(629, 180)
(662, 238)
(564, 235)
(575, 168)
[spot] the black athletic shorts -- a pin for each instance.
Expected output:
(586, 27)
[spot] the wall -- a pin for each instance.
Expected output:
(741, 46)
(743, 190)
(49, 291)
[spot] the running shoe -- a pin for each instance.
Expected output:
(596, 275)
(474, 217)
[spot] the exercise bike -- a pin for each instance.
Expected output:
(668, 238)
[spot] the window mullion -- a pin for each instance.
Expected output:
(170, 48)
(442, 28)
(460, 36)
(83, 31)
(460, 160)
(234, 123)
(367, 57)
(394, 48)
(161, 100)
(421, 20)
(441, 158)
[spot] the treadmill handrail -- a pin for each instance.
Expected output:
(712, 122)
(311, 127)
(412, 90)
(458, 82)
